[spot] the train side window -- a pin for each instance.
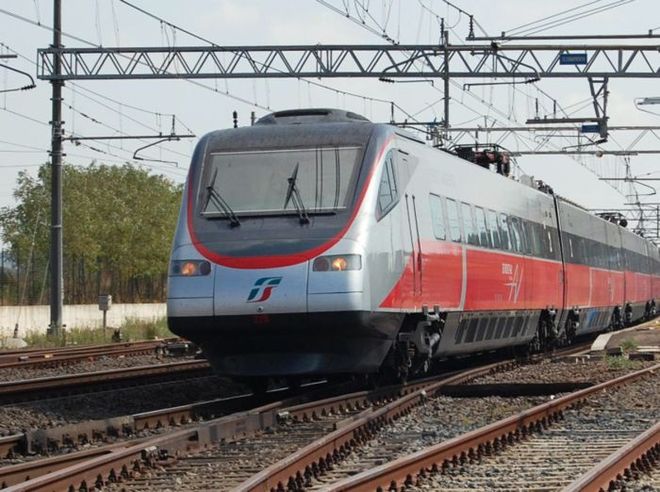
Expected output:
(454, 220)
(482, 228)
(537, 243)
(469, 231)
(524, 236)
(529, 234)
(387, 192)
(504, 232)
(570, 247)
(524, 242)
(617, 258)
(438, 216)
(597, 252)
(545, 236)
(494, 231)
(516, 234)
(576, 249)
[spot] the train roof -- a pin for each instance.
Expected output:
(325, 126)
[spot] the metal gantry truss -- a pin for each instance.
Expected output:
(466, 61)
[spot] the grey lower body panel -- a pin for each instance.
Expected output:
(486, 330)
(293, 344)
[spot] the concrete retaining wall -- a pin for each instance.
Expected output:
(37, 318)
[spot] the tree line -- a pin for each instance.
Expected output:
(118, 227)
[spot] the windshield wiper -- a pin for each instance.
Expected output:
(293, 195)
(212, 194)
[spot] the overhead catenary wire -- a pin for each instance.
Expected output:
(78, 87)
(367, 18)
(561, 22)
(513, 30)
(91, 44)
(212, 43)
(518, 138)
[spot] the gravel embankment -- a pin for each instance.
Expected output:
(552, 459)
(111, 403)
(593, 371)
(95, 364)
(441, 418)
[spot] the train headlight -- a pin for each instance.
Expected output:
(337, 263)
(189, 268)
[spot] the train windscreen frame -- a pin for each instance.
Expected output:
(261, 182)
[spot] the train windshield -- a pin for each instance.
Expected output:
(263, 182)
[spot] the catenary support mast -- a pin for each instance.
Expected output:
(56, 270)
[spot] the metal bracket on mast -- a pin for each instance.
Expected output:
(600, 108)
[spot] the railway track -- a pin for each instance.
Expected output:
(107, 465)
(544, 447)
(57, 357)
(56, 386)
(273, 440)
(634, 466)
(52, 440)
(130, 427)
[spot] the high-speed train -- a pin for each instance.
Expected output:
(316, 242)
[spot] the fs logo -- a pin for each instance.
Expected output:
(265, 286)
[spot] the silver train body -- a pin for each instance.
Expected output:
(317, 242)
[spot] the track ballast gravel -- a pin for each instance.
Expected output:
(441, 418)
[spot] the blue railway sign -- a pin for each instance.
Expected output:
(595, 128)
(572, 58)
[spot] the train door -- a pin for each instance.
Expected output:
(393, 242)
(616, 280)
(567, 254)
(411, 228)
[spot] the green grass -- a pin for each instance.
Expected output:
(617, 363)
(132, 330)
(629, 345)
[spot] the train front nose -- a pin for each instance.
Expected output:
(262, 292)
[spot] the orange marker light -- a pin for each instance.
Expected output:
(188, 269)
(339, 264)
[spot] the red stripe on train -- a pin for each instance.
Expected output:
(501, 281)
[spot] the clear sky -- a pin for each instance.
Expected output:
(142, 107)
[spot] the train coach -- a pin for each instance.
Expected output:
(316, 242)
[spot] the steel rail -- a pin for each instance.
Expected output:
(65, 360)
(320, 454)
(473, 444)
(35, 357)
(115, 460)
(121, 460)
(637, 455)
(16, 474)
(43, 441)
(225, 428)
(12, 390)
